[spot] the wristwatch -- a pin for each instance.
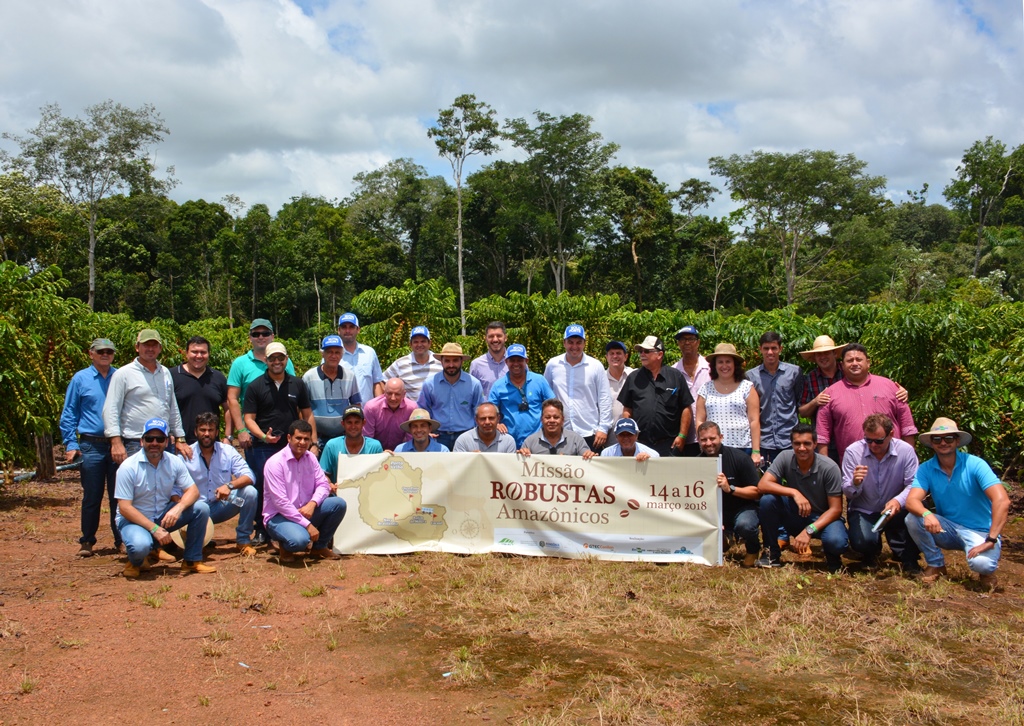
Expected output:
(732, 489)
(993, 540)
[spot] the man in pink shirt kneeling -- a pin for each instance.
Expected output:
(298, 510)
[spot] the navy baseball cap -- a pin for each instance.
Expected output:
(349, 318)
(155, 424)
(516, 350)
(331, 341)
(687, 330)
(616, 344)
(626, 426)
(420, 330)
(575, 331)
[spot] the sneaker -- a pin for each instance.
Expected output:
(768, 561)
(989, 582)
(246, 550)
(84, 551)
(325, 553)
(259, 539)
(932, 574)
(197, 567)
(749, 559)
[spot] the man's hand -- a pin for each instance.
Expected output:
(308, 509)
(244, 439)
(802, 505)
(860, 472)
(314, 533)
(756, 458)
(932, 524)
(117, 452)
(599, 438)
(643, 456)
(503, 428)
(162, 536)
(821, 399)
(270, 437)
(588, 455)
(978, 549)
(184, 449)
(894, 507)
(721, 480)
(901, 394)
(171, 518)
(524, 451)
(801, 544)
(72, 454)
(678, 443)
(223, 492)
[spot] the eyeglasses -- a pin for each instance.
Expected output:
(524, 406)
(877, 442)
(104, 352)
(277, 359)
(154, 439)
(948, 438)
(259, 334)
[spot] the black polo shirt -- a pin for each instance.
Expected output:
(276, 407)
(657, 403)
(739, 469)
(198, 395)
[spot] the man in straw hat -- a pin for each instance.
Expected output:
(971, 505)
(420, 425)
(450, 396)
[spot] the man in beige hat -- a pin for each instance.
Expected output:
(421, 426)
(451, 396)
(657, 398)
(971, 505)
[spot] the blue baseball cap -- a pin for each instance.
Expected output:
(155, 424)
(516, 351)
(626, 426)
(687, 330)
(616, 344)
(575, 331)
(420, 330)
(349, 318)
(331, 341)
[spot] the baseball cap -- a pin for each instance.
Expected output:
(102, 344)
(331, 341)
(420, 330)
(261, 323)
(651, 342)
(147, 334)
(155, 424)
(626, 426)
(616, 344)
(349, 318)
(686, 330)
(575, 331)
(516, 350)
(353, 411)
(275, 348)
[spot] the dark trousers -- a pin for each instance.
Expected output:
(869, 543)
(447, 438)
(256, 457)
(99, 475)
(776, 511)
(743, 523)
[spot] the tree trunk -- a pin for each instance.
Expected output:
(46, 466)
(92, 260)
(458, 237)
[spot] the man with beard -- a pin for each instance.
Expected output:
(451, 396)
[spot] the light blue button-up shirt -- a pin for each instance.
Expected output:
(367, 368)
(453, 405)
(83, 405)
(149, 488)
(780, 399)
(225, 465)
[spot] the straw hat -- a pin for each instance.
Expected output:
(451, 349)
(724, 349)
(420, 414)
(178, 536)
(941, 427)
(821, 344)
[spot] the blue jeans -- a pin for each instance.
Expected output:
(294, 537)
(99, 474)
(138, 542)
(869, 543)
(744, 523)
(777, 511)
(955, 537)
(221, 510)
(447, 438)
(256, 457)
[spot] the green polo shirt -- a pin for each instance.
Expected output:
(245, 369)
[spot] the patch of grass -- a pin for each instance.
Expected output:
(204, 700)
(313, 591)
(220, 636)
(131, 597)
(274, 646)
(270, 686)
(332, 643)
(232, 592)
(69, 643)
(211, 619)
(164, 588)
(27, 685)
(184, 595)
(153, 601)
(376, 617)
(366, 588)
(213, 650)
(30, 528)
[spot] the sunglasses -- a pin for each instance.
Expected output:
(876, 442)
(154, 439)
(948, 438)
(105, 352)
(277, 358)
(258, 334)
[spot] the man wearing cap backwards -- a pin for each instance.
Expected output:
(451, 396)
(420, 425)
(856, 396)
(414, 369)
(554, 439)
(353, 443)
(615, 355)
(362, 358)
(779, 387)
(140, 391)
(272, 401)
(244, 370)
(224, 480)
(490, 366)
(485, 438)
(626, 432)
(971, 505)
(299, 512)
(386, 413)
(146, 512)
(200, 389)
(518, 396)
(877, 473)
(332, 388)
(580, 382)
(81, 428)
(658, 399)
(738, 481)
(697, 371)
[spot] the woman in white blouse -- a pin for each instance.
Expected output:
(731, 401)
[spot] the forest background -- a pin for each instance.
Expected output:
(92, 245)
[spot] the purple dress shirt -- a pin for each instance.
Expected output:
(384, 424)
(887, 479)
(289, 483)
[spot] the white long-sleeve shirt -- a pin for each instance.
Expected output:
(583, 389)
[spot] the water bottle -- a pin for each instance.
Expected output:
(237, 500)
(881, 521)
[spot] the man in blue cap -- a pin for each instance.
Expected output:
(332, 388)
(362, 358)
(626, 444)
(146, 512)
(414, 369)
(580, 382)
(697, 372)
(518, 395)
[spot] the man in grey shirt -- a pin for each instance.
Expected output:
(779, 386)
(485, 438)
(554, 439)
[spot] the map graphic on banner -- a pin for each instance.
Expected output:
(610, 508)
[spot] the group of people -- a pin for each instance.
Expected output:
(148, 439)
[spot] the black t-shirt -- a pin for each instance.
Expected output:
(276, 407)
(198, 395)
(657, 404)
(739, 469)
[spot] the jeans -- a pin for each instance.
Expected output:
(221, 510)
(777, 511)
(99, 474)
(256, 457)
(955, 537)
(295, 538)
(138, 541)
(745, 524)
(869, 543)
(447, 438)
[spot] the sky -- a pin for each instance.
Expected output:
(271, 99)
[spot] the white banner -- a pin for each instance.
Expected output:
(660, 510)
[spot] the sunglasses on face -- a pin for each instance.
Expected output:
(154, 439)
(948, 438)
(277, 359)
(104, 352)
(258, 334)
(876, 442)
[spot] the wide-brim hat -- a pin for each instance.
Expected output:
(821, 344)
(451, 349)
(941, 427)
(419, 414)
(179, 536)
(724, 349)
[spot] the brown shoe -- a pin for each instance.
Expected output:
(783, 544)
(283, 555)
(749, 559)
(989, 582)
(932, 574)
(84, 551)
(246, 550)
(157, 555)
(131, 571)
(325, 553)
(197, 567)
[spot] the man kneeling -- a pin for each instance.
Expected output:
(298, 510)
(146, 512)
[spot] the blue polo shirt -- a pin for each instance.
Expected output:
(433, 447)
(453, 405)
(960, 497)
(507, 398)
(83, 405)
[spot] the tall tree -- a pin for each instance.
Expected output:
(91, 158)
(466, 128)
(792, 201)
